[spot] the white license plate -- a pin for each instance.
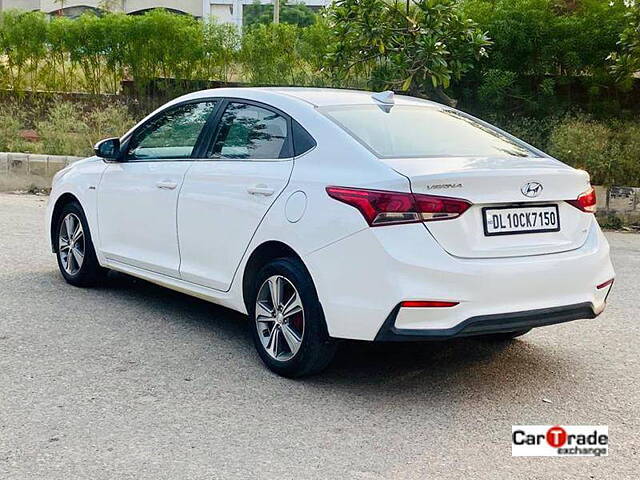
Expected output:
(514, 220)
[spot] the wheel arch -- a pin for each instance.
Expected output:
(62, 200)
(261, 255)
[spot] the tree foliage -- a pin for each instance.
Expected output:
(540, 37)
(415, 46)
(269, 53)
(626, 62)
(94, 53)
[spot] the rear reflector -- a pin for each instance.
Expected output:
(605, 284)
(379, 207)
(427, 304)
(586, 201)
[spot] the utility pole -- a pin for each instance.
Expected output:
(276, 11)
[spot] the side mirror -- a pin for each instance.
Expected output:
(108, 149)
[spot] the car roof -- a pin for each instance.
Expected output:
(318, 97)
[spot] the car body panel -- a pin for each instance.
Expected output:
(79, 179)
(498, 182)
(365, 292)
(137, 216)
(218, 215)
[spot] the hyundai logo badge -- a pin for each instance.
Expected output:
(531, 189)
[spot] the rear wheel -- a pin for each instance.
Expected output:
(76, 256)
(287, 322)
(505, 336)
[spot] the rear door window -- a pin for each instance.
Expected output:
(250, 132)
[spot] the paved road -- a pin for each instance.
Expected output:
(134, 381)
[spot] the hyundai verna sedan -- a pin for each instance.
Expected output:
(334, 214)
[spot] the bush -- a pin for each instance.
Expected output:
(111, 121)
(68, 130)
(22, 43)
(221, 43)
(94, 53)
(64, 131)
(609, 152)
(269, 54)
(11, 123)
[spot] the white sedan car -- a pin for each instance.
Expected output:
(327, 214)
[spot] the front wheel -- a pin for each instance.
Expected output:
(76, 256)
(287, 322)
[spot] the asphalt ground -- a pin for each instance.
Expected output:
(133, 381)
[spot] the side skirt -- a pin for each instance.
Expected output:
(224, 299)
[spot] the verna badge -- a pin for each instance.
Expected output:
(531, 189)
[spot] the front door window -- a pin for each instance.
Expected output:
(172, 135)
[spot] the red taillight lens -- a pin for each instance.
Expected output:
(380, 207)
(427, 304)
(586, 201)
(432, 207)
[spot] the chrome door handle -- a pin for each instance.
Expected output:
(167, 185)
(261, 190)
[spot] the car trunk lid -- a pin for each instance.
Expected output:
(491, 183)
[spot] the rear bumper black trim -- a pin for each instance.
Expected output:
(487, 324)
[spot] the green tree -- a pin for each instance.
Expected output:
(626, 62)
(540, 37)
(542, 48)
(420, 46)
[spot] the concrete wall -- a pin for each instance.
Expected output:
(20, 171)
(222, 13)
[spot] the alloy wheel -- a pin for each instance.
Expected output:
(279, 317)
(71, 244)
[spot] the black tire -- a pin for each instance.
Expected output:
(90, 272)
(505, 336)
(317, 349)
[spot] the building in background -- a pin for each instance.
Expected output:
(225, 11)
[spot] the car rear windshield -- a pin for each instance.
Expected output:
(414, 131)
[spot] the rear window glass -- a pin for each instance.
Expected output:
(414, 131)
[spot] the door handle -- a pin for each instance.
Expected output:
(167, 185)
(261, 190)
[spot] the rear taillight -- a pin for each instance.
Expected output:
(380, 207)
(586, 201)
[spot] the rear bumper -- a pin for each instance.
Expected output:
(487, 324)
(364, 277)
